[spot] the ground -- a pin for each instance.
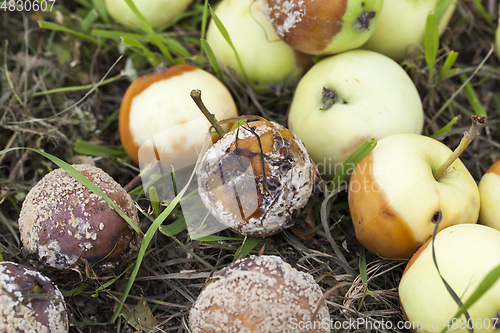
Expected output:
(47, 103)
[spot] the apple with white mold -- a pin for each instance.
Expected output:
(321, 27)
(401, 27)
(351, 97)
(465, 254)
(489, 191)
(266, 59)
(156, 12)
(399, 191)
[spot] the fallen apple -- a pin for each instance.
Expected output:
(351, 97)
(401, 27)
(267, 61)
(489, 192)
(156, 12)
(323, 26)
(158, 119)
(465, 254)
(395, 200)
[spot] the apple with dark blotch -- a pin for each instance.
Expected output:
(321, 27)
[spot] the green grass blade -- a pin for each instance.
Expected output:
(101, 10)
(362, 269)
(226, 36)
(87, 22)
(446, 128)
(92, 149)
(448, 63)
(483, 12)
(431, 42)
(145, 24)
(173, 228)
(204, 20)
(155, 200)
(157, 41)
(176, 47)
(57, 27)
(472, 96)
(84, 181)
(489, 280)
(248, 245)
(117, 34)
(441, 7)
(211, 57)
(351, 162)
(153, 60)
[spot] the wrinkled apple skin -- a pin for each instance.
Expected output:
(156, 12)
(395, 200)
(377, 98)
(267, 60)
(489, 191)
(321, 27)
(401, 27)
(465, 254)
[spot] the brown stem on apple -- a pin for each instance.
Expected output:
(477, 123)
(196, 96)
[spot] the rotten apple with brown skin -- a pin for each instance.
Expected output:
(62, 222)
(257, 179)
(320, 27)
(260, 294)
(30, 302)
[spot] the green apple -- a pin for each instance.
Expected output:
(401, 27)
(464, 254)
(349, 98)
(156, 12)
(324, 26)
(266, 59)
(489, 191)
(395, 201)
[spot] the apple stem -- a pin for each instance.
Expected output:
(477, 123)
(196, 96)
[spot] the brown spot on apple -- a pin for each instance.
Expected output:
(379, 228)
(495, 168)
(364, 20)
(307, 26)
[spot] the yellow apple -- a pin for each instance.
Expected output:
(266, 59)
(489, 191)
(351, 97)
(395, 201)
(465, 254)
(401, 27)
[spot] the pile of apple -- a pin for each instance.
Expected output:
(397, 196)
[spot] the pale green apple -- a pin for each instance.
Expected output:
(266, 59)
(156, 12)
(321, 27)
(489, 191)
(401, 27)
(395, 201)
(465, 254)
(349, 98)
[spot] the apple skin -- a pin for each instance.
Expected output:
(159, 106)
(465, 254)
(156, 12)
(377, 97)
(267, 60)
(401, 27)
(321, 27)
(394, 199)
(489, 191)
